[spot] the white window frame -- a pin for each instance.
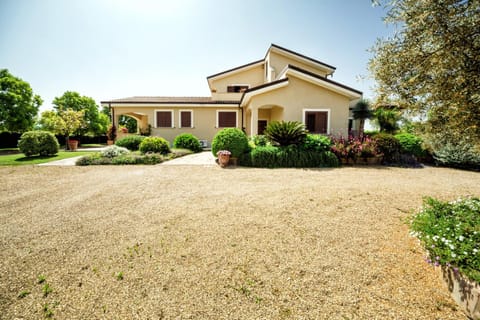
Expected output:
(328, 111)
(236, 118)
(180, 118)
(163, 110)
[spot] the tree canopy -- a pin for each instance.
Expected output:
(18, 104)
(431, 65)
(64, 122)
(95, 122)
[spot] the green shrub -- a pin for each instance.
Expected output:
(450, 232)
(125, 159)
(285, 133)
(231, 139)
(258, 141)
(458, 155)
(113, 151)
(38, 143)
(155, 145)
(187, 141)
(317, 143)
(290, 157)
(411, 144)
(389, 146)
(130, 142)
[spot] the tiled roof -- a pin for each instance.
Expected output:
(170, 100)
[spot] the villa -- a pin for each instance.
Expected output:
(284, 85)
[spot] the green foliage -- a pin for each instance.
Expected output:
(450, 232)
(258, 141)
(23, 294)
(289, 157)
(411, 144)
(63, 122)
(187, 141)
(155, 145)
(387, 119)
(129, 122)
(132, 142)
(431, 63)
(285, 133)
(38, 143)
(316, 142)
(389, 146)
(231, 139)
(93, 123)
(18, 105)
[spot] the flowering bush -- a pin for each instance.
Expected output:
(114, 151)
(354, 148)
(450, 232)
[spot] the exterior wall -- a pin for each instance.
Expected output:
(300, 95)
(279, 62)
(252, 77)
(204, 120)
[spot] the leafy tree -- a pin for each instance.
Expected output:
(431, 65)
(64, 122)
(94, 123)
(18, 104)
(361, 111)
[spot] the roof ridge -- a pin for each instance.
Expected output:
(301, 55)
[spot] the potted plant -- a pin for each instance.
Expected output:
(223, 157)
(72, 144)
(111, 134)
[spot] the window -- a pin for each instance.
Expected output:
(226, 119)
(186, 119)
(164, 119)
(317, 121)
(237, 88)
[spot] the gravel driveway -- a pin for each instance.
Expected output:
(193, 242)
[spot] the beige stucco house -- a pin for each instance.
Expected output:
(284, 85)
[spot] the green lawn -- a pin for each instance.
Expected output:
(20, 159)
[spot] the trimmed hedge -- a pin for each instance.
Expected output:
(187, 141)
(155, 145)
(410, 143)
(41, 143)
(126, 159)
(132, 142)
(288, 157)
(231, 139)
(317, 143)
(389, 146)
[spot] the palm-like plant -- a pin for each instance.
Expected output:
(387, 119)
(361, 112)
(285, 133)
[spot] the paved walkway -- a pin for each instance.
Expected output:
(205, 158)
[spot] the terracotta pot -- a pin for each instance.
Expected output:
(73, 145)
(223, 160)
(110, 142)
(464, 291)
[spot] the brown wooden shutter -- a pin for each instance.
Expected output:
(321, 122)
(164, 119)
(316, 121)
(186, 119)
(227, 119)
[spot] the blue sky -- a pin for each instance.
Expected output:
(109, 49)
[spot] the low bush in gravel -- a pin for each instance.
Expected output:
(155, 145)
(113, 151)
(42, 143)
(125, 159)
(132, 142)
(231, 139)
(450, 233)
(187, 141)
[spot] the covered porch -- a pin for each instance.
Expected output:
(257, 118)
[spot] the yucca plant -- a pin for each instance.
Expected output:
(285, 133)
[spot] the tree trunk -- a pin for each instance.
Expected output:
(360, 128)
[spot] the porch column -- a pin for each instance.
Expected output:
(254, 122)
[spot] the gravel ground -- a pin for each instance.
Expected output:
(192, 242)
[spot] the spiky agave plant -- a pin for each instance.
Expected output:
(285, 133)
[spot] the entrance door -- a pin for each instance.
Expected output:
(262, 124)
